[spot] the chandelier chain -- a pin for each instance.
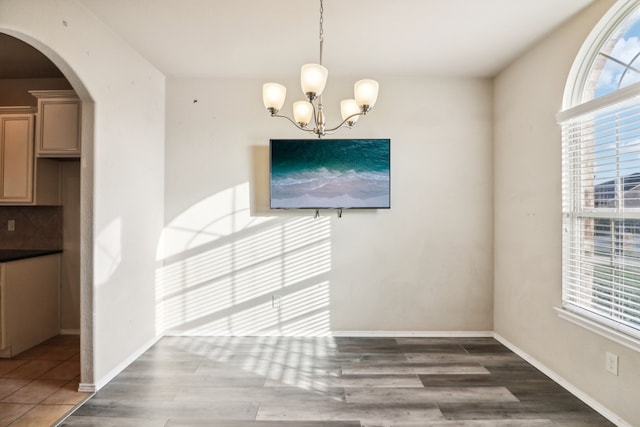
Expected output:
(321, 28)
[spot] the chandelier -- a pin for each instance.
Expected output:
(313, 78)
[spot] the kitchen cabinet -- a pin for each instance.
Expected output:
(47, 182)
(16, 154)
(29, 308)
(57, 123)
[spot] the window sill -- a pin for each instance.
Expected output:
(585, 321)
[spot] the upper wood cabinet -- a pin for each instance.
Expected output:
(16, 155)
(57, 123)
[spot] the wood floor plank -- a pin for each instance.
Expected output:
(87, 421)
(552, 409)
(174, 380)
(483, 423)
(430, 395)
(457, 341)
(465, 358)
(259, 394)
(414, 369)
(280, 423)
(379, 415)
(124, 408)
(489, 379)
(350, 381)
(116, 390)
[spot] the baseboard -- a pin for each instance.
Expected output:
(69, 331)
(5, 353)
(355, 334)
(412, 334)
(588, 400)
(180, 333)
(87, 388)
(115, 371)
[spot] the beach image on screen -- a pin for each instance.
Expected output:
(351, 173)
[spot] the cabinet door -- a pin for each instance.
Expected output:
(16, 158)
(31, 290)
(58, 128)
(3, 316)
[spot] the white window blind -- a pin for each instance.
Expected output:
(601, 209)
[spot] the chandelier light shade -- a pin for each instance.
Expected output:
(302, 112)
(313, 79)
(350, 111)
(366, 92)
(273, 95)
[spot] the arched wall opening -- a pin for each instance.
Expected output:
(86, 201)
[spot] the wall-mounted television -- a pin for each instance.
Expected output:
(330, 173)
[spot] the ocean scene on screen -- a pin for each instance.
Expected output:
(338, 173)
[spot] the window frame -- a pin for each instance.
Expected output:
(575, 108)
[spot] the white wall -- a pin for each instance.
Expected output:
(423, 265)
(70, 257)
(528, 256)
(122, 173)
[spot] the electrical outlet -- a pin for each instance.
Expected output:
(611, 363)
(275, 301)
(11, 225)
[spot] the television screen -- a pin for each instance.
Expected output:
(330, 173)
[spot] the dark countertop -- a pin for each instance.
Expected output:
(7, 255)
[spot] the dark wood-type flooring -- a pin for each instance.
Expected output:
(332, 382)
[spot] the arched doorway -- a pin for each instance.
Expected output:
(30, 69)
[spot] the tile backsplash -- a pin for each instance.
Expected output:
(36, 227)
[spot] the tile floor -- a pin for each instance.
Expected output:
(332, 382)
(39, 386)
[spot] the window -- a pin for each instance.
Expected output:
(601, 180)
(617, 63)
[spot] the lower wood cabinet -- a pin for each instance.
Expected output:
(29, 303)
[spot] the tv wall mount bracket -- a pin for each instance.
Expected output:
(338, 211)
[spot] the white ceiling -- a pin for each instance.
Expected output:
(271, 39)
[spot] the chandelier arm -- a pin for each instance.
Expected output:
(344, 122)
(292, 122)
